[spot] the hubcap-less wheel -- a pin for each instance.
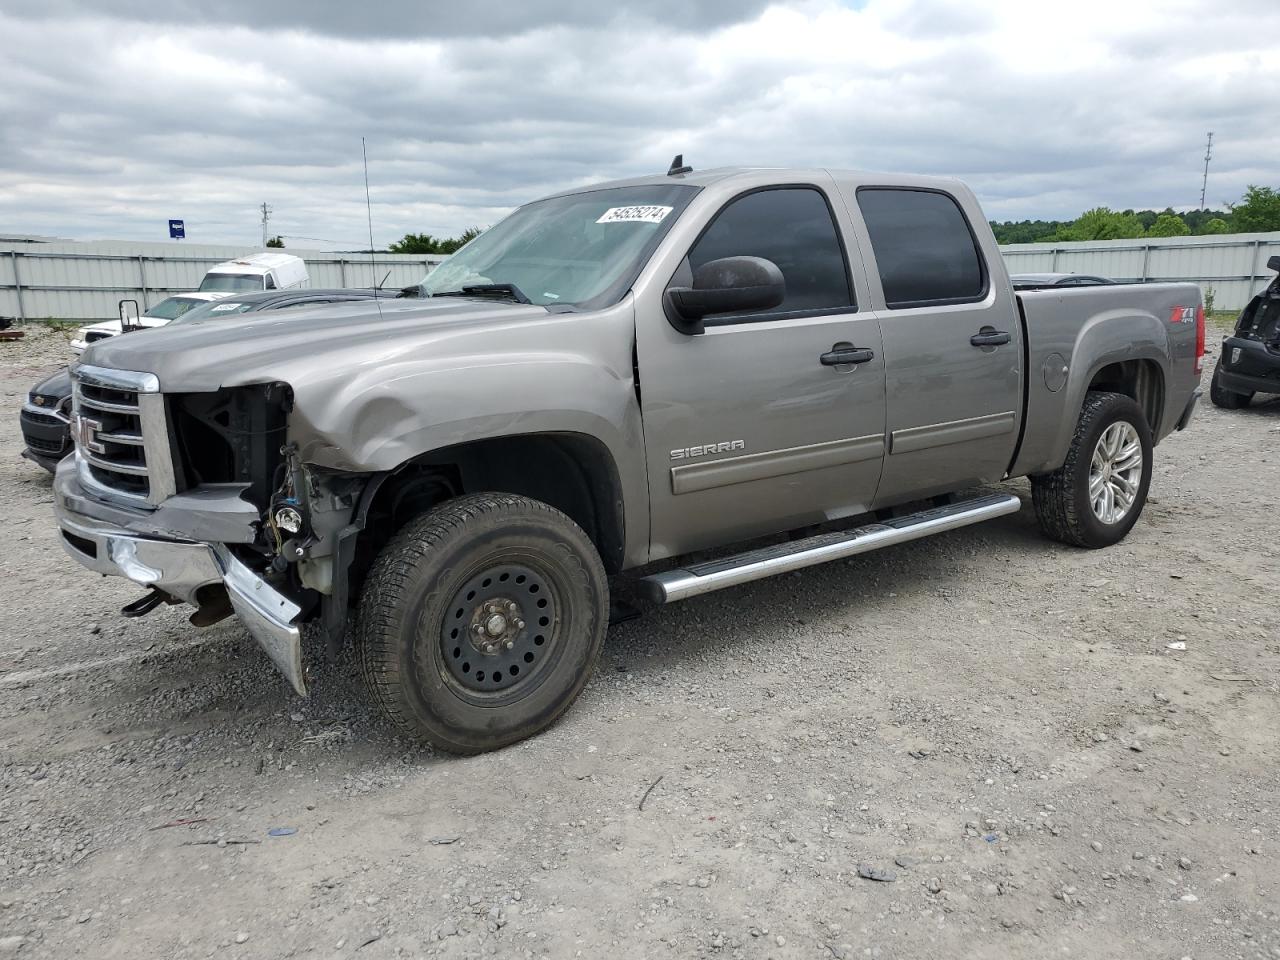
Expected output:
(500, 627)
(1115, 472)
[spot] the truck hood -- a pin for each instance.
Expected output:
(300, 346)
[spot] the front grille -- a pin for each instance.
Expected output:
(114, 450)
(121, 439)
(48, 418)
(43, 445)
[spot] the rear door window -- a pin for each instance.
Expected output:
(793, 227)
(924, 248)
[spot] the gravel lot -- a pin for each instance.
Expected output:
(995, 725)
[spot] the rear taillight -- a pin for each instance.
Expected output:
(1199, 338)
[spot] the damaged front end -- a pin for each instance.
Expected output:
(201, 498)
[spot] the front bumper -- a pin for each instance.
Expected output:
(1248, 366)
(180, 568)
(46, 433)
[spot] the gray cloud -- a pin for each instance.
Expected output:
(116, 117)
(405, 19)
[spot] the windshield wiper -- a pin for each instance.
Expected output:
(496, 291)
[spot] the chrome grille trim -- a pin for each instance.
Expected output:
(138, 409)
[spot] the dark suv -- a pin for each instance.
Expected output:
(1250, 359)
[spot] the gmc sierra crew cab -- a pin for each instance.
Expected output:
(764, 368)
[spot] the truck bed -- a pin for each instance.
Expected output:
(1150, 324)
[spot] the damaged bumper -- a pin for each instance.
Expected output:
(180, 568)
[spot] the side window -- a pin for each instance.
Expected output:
(791, 226)
(923, 246)
(271, 282)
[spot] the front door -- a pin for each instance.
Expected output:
(952, 347)
(752, 427)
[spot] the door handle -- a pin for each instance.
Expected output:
(842, 353)
(990, 337)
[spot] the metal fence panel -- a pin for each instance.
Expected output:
(84, 281)
(1232, 266)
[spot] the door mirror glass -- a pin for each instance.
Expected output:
(727, 285)
(1273, 263)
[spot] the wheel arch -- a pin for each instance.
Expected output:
(573, 472)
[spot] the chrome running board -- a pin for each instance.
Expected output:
(684, 582)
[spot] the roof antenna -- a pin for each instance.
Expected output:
(678, 167)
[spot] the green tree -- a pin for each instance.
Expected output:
(416, 243)
(1216, 225)
(454, 244)
(426, 243)
(1258, 212)
(1169, 224)
(1102, 223)
(276, 242)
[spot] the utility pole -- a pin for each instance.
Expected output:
(1208, 155)
(266, 218)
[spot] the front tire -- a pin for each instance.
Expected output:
(1096, 496)
(481, 621)
(1226, 399)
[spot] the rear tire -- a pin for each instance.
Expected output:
(1096, 496)
(481, 621)
(1226, 399)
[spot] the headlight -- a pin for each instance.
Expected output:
(289, 520)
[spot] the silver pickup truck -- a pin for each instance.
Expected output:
(606, 383)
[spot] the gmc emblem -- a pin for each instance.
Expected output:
(85, 430)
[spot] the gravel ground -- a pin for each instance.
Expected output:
(979, 745)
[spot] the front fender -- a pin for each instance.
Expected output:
(382, 418)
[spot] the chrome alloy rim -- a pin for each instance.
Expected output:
(1115, 472)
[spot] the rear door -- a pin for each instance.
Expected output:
(748, 430)
(952, 343)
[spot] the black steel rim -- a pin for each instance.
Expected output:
(500, 630)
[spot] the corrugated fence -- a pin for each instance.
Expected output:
(83, 281)
(1233, 266)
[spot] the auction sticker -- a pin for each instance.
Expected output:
(644, 214)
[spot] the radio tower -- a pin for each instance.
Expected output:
(266, 218)
(1208, 155)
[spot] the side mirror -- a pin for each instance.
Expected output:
(129, 321)
(727, 285)
(1273, 262)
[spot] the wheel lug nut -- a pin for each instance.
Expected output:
(509, 644)
(512, 607)
(519, 624)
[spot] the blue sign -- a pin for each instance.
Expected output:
(177, 230)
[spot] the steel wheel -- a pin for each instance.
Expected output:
(501, 627)
(1115, 472)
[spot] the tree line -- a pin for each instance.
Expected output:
(1257, 211)
(425, 243)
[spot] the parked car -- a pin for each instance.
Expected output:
(1033, 281)
(261, 271)
(45, 417)
(165, 311)
(612, 380)
(1250, 359)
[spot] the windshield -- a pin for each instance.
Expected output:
(583, 249)
(173, 307)
(231, 282)
(216, 308)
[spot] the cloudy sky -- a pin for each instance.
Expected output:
(116, 115)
